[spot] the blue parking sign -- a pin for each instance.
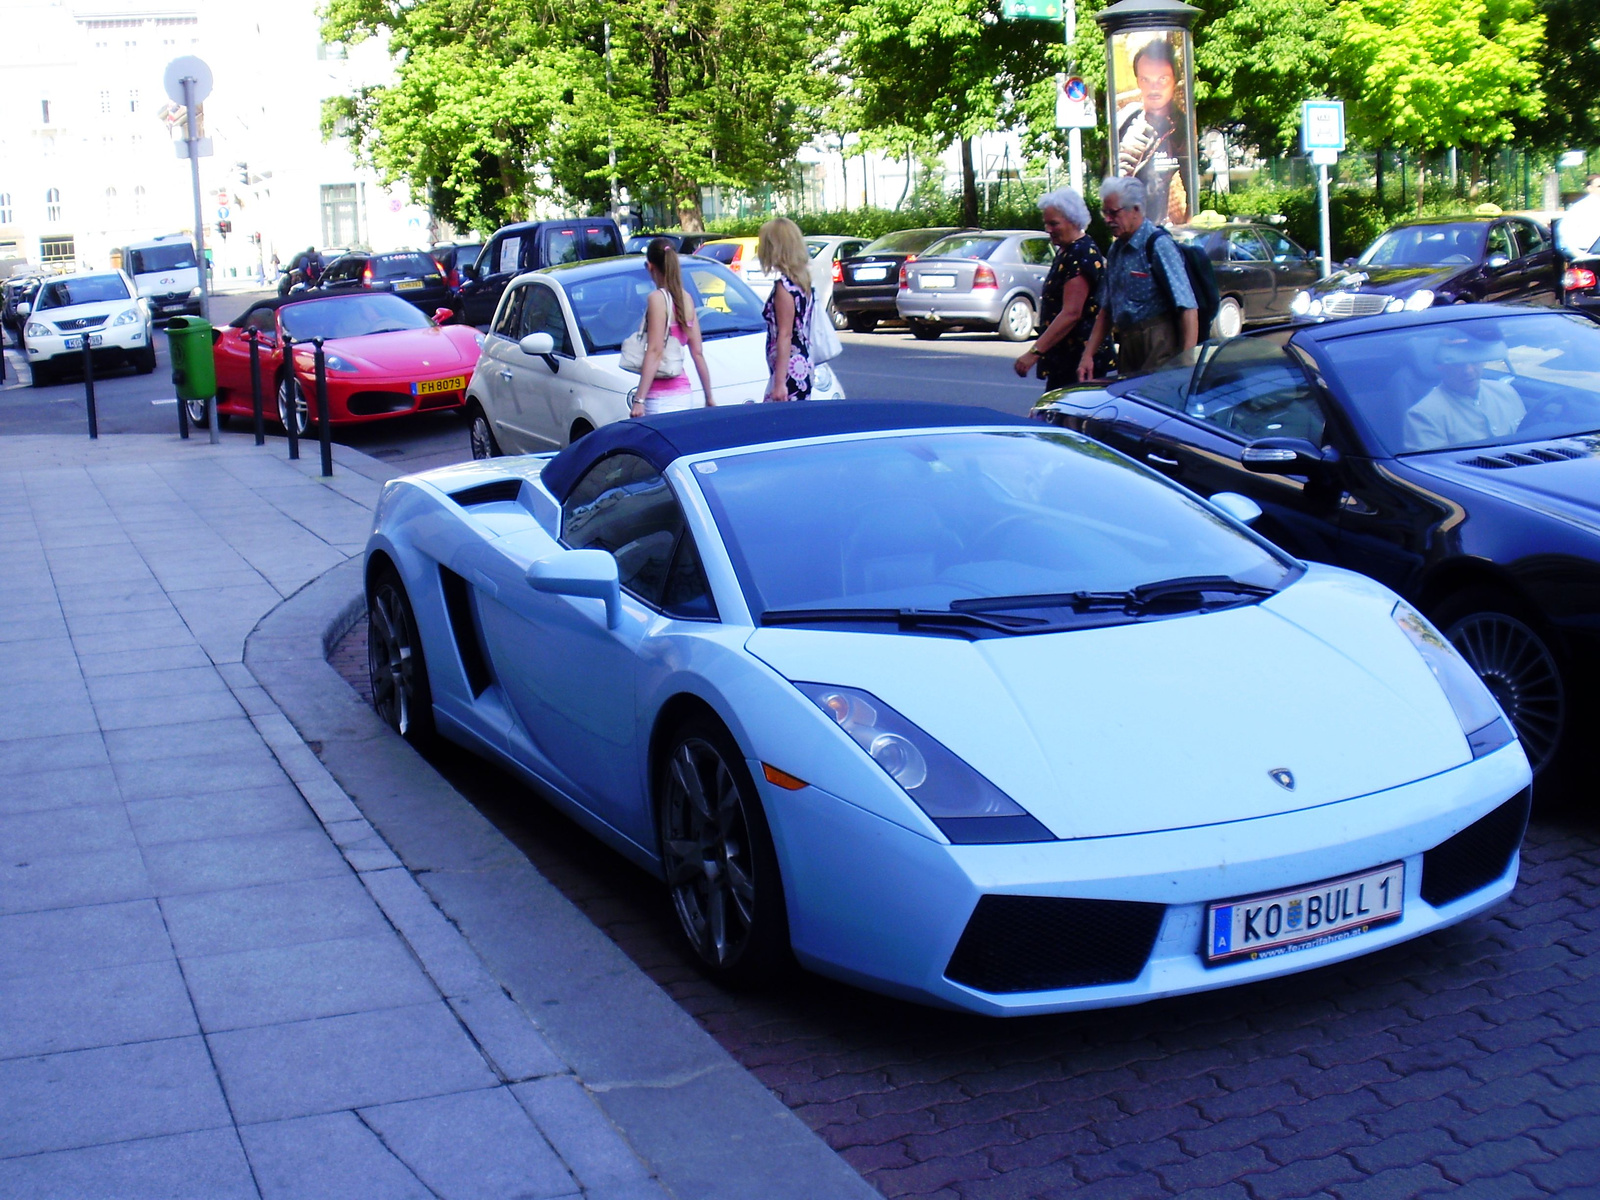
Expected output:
(1322, 125)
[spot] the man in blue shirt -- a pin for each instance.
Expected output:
(1146, 300)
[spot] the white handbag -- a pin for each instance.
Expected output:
(636, 343)
(825, 342)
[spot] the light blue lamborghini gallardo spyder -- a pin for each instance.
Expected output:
(958, 707)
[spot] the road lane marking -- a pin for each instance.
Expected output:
(173, 400)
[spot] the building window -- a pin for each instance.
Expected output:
(5, 208)
(52, 205)
(138, 201)
(133, 100)
(111, 201)
(44, 110)
(339, 219)
(105, 100)
(57, 250)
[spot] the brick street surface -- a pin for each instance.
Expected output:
(1467, 1062)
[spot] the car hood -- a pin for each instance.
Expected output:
(1168, 724)
(1388, 281)
(1559, 476)
(77, 312)
(406, 351)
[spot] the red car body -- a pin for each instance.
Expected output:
(387, 372)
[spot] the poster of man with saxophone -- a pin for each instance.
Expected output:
(1154, 140)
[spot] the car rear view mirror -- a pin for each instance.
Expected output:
(442, 315)
(538, 343)
(1286, 456)
(591, 573)
(24, 309)
(1497, 262)
(1240, 508)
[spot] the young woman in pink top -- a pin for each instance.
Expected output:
(668, 313)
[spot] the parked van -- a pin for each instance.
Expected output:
(528, 246)
(163, 269)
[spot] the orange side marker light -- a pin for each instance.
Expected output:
(782, 778)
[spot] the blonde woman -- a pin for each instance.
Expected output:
(782, 251)
(668, 313)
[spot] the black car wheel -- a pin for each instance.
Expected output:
(396, 667)
(292, 399)
(924, 332)
(841, 321)
(1016, 323)
(1514, 659)
(43, 374)
(480, 433)
(862, 322)
(717, 855)
(145, 361)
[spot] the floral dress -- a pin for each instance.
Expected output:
(799, 376)
(1059, 365)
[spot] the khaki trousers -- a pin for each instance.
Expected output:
(1148, 345)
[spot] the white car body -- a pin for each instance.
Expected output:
(536, 402)
(117, 326)
(170, 290)
(827, 250)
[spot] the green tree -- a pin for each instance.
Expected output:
(1570, 77)
(1257, 60)
(1435, 73)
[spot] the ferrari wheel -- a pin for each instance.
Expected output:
(717, 853)
(197, 413)
(292, 406)
(480, 433)
(1516, 663)
(395, 663)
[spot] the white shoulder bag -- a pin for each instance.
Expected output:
(825, 344)
(637, 342)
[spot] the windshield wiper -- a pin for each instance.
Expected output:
(954, 620)
(1135, 601)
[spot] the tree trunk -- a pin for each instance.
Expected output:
(1380, 177)
(690, 218)
(1422, 178)
(969, 186)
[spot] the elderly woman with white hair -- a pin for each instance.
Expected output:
(1070, 302)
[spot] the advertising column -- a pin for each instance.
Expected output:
(1149, 91)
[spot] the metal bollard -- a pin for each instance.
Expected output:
(324, 430)
(290, 424)
(255, 382)
(88, 387)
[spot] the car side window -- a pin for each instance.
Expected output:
(1282, 249)
(560, 246)
(1531, 238)
(624, 506)
(1500, 242)
(509, 319)
(508, 260)
(265, 320)
(1037, 251)
(1251, 388)
(1245, 246)
(541, 313)
(600, 241)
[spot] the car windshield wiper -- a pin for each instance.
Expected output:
(1135, 601)
(954, 620)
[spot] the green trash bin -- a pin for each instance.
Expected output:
(194, 372)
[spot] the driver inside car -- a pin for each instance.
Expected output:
(1465, 407)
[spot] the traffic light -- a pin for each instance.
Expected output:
(244, 173)
(224, 227)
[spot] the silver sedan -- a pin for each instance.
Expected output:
(990, 279)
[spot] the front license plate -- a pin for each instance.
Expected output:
(407, 285)
(429, 386)
(1303, 918)
(937, 281)
(871, 274)
(77, 343)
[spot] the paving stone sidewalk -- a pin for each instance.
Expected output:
(216, 979)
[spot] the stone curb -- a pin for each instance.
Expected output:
(502, 943)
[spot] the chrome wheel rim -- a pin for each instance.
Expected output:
(1521, 673)
(197, 412)
(302, 419)
(706, 852)
(1230, 320)
(1020, 319)
(482, 439)
(839, 319)
(390, 661)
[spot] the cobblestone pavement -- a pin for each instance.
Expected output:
(1467, 1062)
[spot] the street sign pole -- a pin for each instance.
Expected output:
(193, 140)
(1069, 22)
(1327, 226)
(188, 82)
(1322, 137)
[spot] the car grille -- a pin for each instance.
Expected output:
(372, 404)
(1478, 855)
(77, 323)
(1353, 304)
(1038, 943)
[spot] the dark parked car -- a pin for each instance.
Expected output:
(19, 289)
(1484, 513)
(528, 246)
(1258, 271)
(1451, 260)
(684, 243)
(1580, 285)
(452, 256)
(868, 282)
(413, 275)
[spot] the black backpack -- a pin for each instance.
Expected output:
(1202, 278)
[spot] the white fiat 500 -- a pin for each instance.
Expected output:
(549, 372)
(102, 306)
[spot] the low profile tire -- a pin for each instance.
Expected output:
(1512, 655)
(925, 332)
(1016, 323)
(1229, 321)
(841, 321)
(396, 667)
(480, 433)
(292, 403)
(716, 849)
(861, 322)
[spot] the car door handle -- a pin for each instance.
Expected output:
(507, 376)
(1161, 462)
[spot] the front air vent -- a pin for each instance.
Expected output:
(1524, 458)
(1040, 943)
(464, 625)
(1478, 855)
(496, 491)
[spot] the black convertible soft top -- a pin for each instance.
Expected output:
(662, 439)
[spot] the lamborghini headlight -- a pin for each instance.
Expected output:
(1481, 719)
(966, 807)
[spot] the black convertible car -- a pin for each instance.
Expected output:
(1452, 454)
(1452, 260)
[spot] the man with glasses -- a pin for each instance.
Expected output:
(1146, 300)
